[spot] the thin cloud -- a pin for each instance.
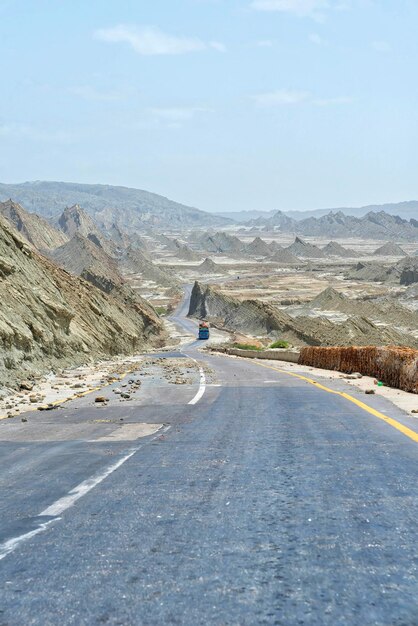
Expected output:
(265, 43)
(151, 41)
(283, 97)
(301, 8)
(315, 9)
(217, 45)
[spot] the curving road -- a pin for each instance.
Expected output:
(268, 500)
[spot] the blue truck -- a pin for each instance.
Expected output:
(203, 330)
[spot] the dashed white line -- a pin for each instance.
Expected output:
(12, 544)
(64, 503)
(61, 505)
(202, 387)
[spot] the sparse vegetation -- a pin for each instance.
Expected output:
(161, 310)
(280, 344)
(246, 346)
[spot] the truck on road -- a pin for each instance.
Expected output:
(203, 330)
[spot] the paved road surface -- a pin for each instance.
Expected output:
(267, 501)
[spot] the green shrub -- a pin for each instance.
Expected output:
(245, 346)
(280, 344)
(161, 310)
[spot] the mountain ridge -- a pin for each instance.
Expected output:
(108, 204)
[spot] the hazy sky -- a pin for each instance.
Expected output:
(221, 104)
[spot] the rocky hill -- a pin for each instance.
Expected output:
(208, 266)
(129, 208)
(305, 250)
(82, 257)
(36, 230)
(390, 249)
(221, 243)
(374, 272)
(404, 272)
(75, 220)
(283, 255)
(50, 318)
(381, 311)
(258, 319)
(133, 261)
(278, 220)
(258, 247)
(333, 248)
(120, 237)
(379, 225)
(184, 252)
(409, 270)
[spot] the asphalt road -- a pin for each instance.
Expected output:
(266, 501)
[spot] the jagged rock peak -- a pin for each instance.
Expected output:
(35, 229)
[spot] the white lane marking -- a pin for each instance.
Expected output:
(202, 387)
(12, 544)
(78, 492)
(66, 502)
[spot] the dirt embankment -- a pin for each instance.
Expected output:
(395, 366)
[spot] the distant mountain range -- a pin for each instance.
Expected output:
(126, 207)
(374, 225)
(406, 210)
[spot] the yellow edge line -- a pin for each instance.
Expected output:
(75, 396)
(389, 420)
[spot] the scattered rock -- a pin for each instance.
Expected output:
(126, 396)
(101, 399)
(35, 398)
(26, 385)
(23, 419)
(117, 391)
(370, 391)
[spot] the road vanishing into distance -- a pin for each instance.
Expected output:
(256, 497)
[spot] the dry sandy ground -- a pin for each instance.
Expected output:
(54, 389)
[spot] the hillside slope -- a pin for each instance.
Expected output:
(33, 228)
(82, 257)
(50, 319)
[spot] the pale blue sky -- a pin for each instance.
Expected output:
(221, 104)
